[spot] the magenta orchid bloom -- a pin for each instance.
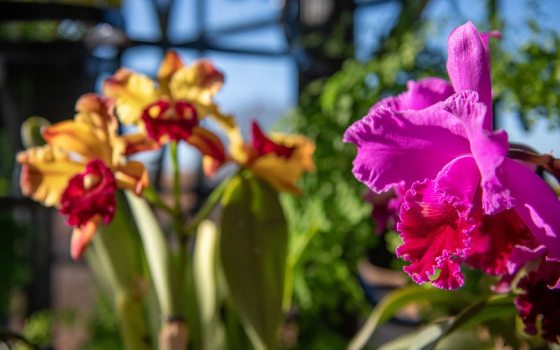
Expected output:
(465, 200)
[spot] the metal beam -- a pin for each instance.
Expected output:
(26, 11)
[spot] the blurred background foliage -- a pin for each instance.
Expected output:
(330, 225)
(526, 84)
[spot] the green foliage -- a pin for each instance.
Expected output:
(205, 281)
(159, 259)
(526, 82)
(253, 248)
(38, 328)
(326, 290)
(103, 327)
(119, 269)
(450, 333)
(395, 301)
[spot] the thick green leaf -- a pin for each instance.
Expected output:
(160, 263)
(495, 307)
(117, 266)
(450, 333)
(419, 339)
(426, 338)
(204, 270)
(253, 245)
(394, 302)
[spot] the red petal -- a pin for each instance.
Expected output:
(263, 145)
(539, 304)
(493, 242)
(82, 204)
(435, 229)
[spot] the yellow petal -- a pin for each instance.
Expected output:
(304, 149)
(79, 138)
(45, 173)
(283, 173)
(171, 63)
(98, 113)
(197, 83)
(225, 121)
(210, 165)
(82, 236)
(132, 176)
(132, 93)
(138, 142)
(240, 152)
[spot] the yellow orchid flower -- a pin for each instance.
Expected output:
(196, 84)
(281, 159)
(92, 134)
(45, 173)
(170, 109)
(81, 167)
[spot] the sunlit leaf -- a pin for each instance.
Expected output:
(161, 266)
(253, 246)
(204, 270)
(394, 302)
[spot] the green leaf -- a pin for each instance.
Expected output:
(253, 246)
(394, 302)
(450, 333)
(31, 131)
(419, 339)
(117, 260)
(426, 338)
(495, 307)
(160, 263)
(204, 270)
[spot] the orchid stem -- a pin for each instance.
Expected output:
(177, 212)
(178, 218)
(211, 203)
(176, 176)
(152, 196)
(545, 161)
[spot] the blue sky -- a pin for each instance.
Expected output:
(264, 88)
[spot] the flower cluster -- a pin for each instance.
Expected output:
(463, 199)
(84, 161)
(81, 167)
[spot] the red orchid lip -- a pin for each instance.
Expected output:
(170, 120)
(90, 194)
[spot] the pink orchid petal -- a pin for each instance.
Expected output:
(419, 95)
(382, 212)
(393, 150)
(538, 205)
(522, 254)
(489, 149)
(468, 65)
(459, 178)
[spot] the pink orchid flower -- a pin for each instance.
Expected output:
(436, 141)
